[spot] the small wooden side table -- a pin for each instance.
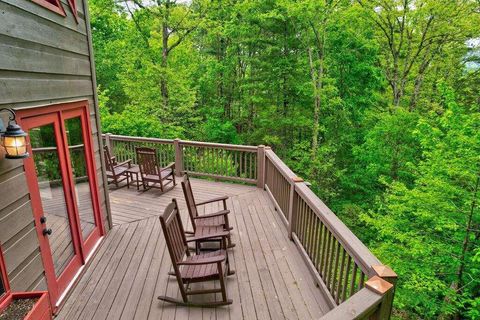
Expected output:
(134, 174)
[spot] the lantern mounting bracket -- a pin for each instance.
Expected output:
(11, 117)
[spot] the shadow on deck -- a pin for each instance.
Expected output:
(130, 268)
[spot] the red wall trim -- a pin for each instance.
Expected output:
(57, 7)
(7, 297)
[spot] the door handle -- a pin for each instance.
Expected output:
(47, 231)
(43, 219)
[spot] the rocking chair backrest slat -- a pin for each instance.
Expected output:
(108, 159)
(147, 161)
(174, 233)
(188, 193)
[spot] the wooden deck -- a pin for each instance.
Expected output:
(130, 269)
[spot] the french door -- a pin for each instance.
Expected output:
(62, 181)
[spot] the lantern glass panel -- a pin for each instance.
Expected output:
(15, 146)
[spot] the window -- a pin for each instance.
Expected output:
(53, 5)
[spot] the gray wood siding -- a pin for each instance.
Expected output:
(44, 59)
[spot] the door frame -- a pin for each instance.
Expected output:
(84, 248)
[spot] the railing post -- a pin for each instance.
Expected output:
(108, 143)
(178, 157)
(261, 166)
(390, 276)
(292, 213)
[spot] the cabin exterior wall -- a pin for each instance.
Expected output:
(45, 59)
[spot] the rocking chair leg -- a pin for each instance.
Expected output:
(230, 243)
(222, 281)
(212, 304)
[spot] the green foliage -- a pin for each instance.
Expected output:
(425, 224)
(372, 102)
(211, 163)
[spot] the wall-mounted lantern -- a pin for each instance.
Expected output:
(14, 139)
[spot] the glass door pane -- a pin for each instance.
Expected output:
(81, 180)
(52, 195)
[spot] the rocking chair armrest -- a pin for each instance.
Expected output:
(127, 162)
(171, 165)
(210, 215)
(209, 260)
(223, 234)
(222, 198)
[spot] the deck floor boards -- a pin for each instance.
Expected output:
(130, 269)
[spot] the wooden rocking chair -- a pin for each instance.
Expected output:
(201, 223)
(189, 268)
(153, 176)
(116, 172)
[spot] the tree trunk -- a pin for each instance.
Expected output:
(163, 81)
(467, 234)
(317, 82)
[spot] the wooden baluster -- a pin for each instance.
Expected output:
(300, 219)
(299, 214)
(362, 280)
(304, 222)
(325, 252)
(307, 226)
(241, 164)
(131, 152)
(245, 163)
(335, 273)
(354, 279)
(251, 165)
(346, 279)
(310, 232)
(318, 248)
(222, 162)
(291, 216)
(334, 243)
(340, 278)
(217, 160)
(316, 231)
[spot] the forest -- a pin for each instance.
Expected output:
(376, 103)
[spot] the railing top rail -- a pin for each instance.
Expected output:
(219, 145)
(357, 250)
(358, 306)
(138, 139)
(47, 149)
(279, 164)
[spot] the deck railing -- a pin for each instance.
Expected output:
(354, 281)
